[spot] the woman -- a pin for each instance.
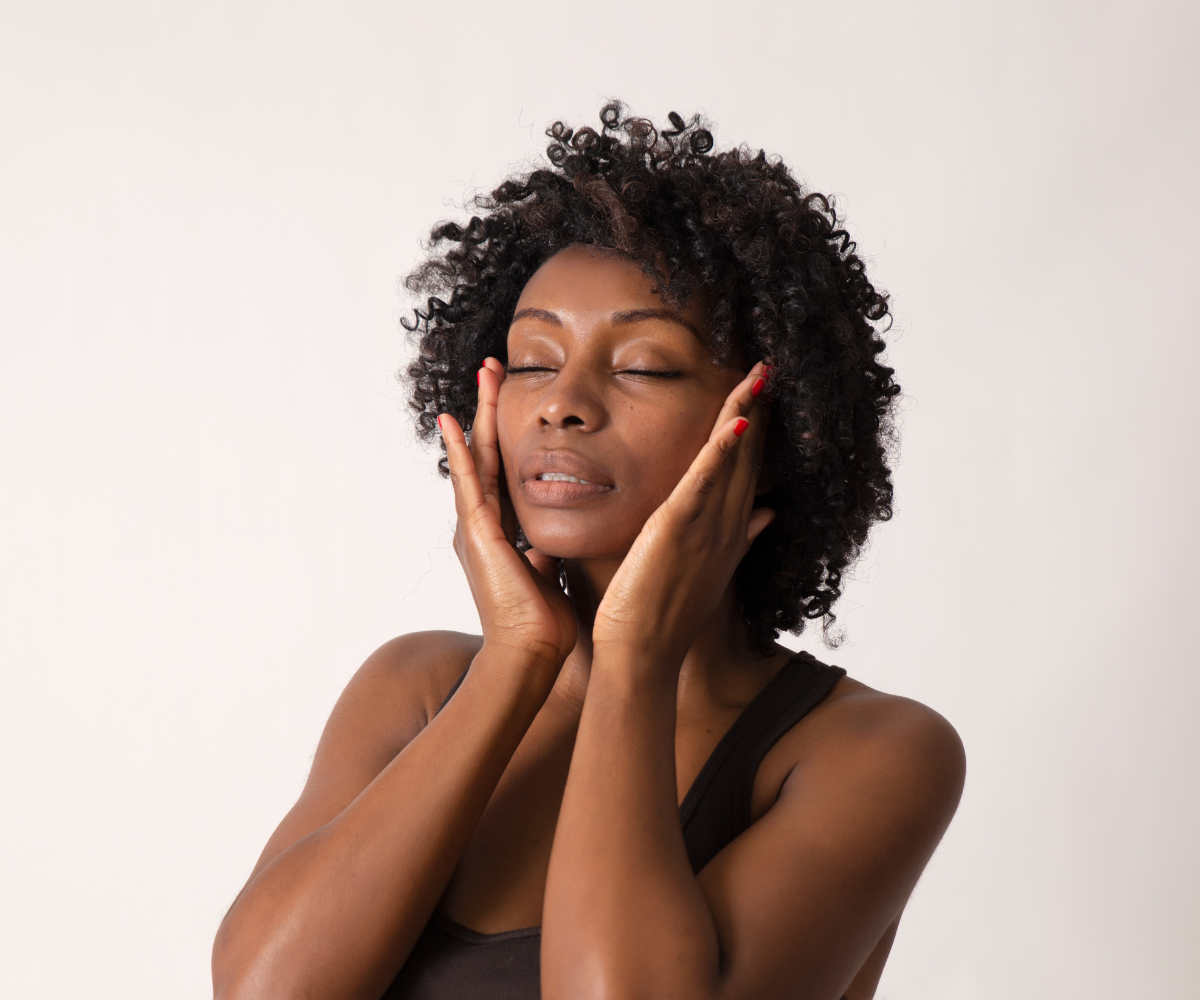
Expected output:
(667, 360)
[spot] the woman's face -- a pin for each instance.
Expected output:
(610, 395)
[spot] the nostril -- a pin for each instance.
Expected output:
(572, 420)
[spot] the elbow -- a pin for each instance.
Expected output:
(620, 981)
(249, 983)
(588, 962)
(241, 973)
(252, 963)
(229, 976)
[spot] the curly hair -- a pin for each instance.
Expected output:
(784, 284)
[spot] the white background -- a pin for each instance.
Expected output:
(213, 508)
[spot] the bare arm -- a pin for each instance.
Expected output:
(793, 907)
(351, 877)
(797, 903)
(337, 903)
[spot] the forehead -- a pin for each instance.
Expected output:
(586, 282)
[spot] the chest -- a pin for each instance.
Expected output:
(501, 879)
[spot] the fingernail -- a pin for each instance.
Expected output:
(766, 374)
(740, 427)
(439, 421)
(757, 387)
(479, 376)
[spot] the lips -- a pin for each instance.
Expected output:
(561, 478)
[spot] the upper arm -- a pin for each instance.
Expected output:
(388, 701)
(803, 896)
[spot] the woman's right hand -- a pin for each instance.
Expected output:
(521, 605)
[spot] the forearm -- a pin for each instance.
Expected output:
(335, 914)
(624, 915)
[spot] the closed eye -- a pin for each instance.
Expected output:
(640, 372)
(651, 372)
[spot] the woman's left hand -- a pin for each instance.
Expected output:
(680, 565)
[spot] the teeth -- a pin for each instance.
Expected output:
(558, 477)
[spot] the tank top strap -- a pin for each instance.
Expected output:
(716, 808)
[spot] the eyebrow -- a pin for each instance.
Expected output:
(637, 315)
(618, 318)
(545, 315)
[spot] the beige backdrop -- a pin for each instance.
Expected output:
(212, 507)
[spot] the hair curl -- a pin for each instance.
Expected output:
(784, 283)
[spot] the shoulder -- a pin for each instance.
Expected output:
(400, 687)
(904, 730)
(880, 744)
(848, 807)
(420, 667)
(390, 699)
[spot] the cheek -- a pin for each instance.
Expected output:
(664, 441)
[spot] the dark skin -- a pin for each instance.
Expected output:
(547, 790)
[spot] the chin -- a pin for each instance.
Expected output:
(577, 542)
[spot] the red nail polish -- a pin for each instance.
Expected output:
(479, 376)
(439, 421)
(766, 373)
(740, 427)
(757, 387)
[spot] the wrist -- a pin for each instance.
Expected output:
(654, 640)
(522, 667)
(638, 659)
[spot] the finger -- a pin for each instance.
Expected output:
(710, 472)
(496, 368)
(743, 481)
(745, 400)
(740, 402)
(740, 466)
(485, 449)
(492, 374)
(468, 494)
(708, 476)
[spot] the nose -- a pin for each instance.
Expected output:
(572, 400)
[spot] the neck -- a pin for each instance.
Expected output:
(720, 661)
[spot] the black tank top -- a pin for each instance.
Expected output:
(453, 962)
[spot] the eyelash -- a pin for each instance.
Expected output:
(645, 372)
